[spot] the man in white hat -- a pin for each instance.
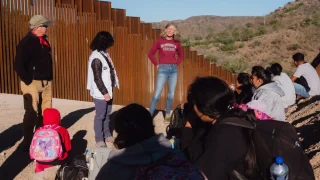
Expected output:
(33, 64)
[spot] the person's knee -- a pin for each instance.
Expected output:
(156, 98)
(170, 96)
(30, 101)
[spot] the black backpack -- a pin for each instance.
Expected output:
(74, 169)
(275, 138)
(177, 122)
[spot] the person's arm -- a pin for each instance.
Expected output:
(293, 78)
(191, 143)
(180, 53)
(96, 66)
(152, 51)
(297, 74)
(223, 153)
(21, 64)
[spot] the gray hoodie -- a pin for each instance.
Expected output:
(270, 94)
(122, 163)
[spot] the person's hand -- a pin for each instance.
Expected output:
(233, 87)
(188, 125)
(107, 97)
(157, 67)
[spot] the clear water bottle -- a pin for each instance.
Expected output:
(174, 142)
(87, 157)
(279, 170)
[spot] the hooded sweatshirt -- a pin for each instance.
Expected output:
(285, 83)
(270, 94)
(51, 116)
(122, 164)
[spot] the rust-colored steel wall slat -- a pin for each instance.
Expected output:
(2, 74)
(75, 24)
(105, 10)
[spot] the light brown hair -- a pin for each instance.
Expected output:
(176, 34)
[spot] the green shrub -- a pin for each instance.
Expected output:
(235, 65)
(198, 38)
(241, 45)
(293, 47)
(293, 8)
(228, 47)
(211, 58)
(236, 34)
(224, 38)
(276, 41)
(255, 44)
(275, 23)
(313, 20)
(246, 34)
(249, 25)
(186, 42)
(260, 31)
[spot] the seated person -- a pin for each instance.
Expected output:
(219, 148)
(285, 83)
(268, 92)
(243, 89)
(142, 154)
(47, 170)
(307, 72)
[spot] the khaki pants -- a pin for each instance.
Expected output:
(37, 96)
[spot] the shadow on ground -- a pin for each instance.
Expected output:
(20, 159)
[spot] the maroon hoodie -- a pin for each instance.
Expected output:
(168, 51)
(51, 116)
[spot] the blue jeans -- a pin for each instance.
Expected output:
(300, 90)
(165, 72)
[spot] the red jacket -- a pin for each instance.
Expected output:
(51, 116)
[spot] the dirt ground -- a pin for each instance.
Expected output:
(78, 118)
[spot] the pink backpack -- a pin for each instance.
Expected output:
(46, 144)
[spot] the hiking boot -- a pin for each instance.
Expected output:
(167, 119)
(101, 144)
(109, 139)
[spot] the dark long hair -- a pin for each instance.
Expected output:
(261, 73)
(214, 98)
(102, 41)
(133, 124)
(243, 78)
(275, 69)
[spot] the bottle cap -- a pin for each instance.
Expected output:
(279, 160)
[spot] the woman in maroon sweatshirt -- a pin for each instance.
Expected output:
(170, 56)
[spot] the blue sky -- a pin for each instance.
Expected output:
(157, 10)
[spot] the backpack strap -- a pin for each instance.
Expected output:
(240, 122)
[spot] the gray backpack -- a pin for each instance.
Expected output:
(97, 157)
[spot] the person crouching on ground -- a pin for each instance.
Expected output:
(47, 170)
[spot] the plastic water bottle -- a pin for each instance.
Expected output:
(174, 142)
(87, 157)
(279, 170)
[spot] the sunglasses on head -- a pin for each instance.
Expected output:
(44, 26)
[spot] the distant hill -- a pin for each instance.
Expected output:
(203, 25)
(237, 43)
